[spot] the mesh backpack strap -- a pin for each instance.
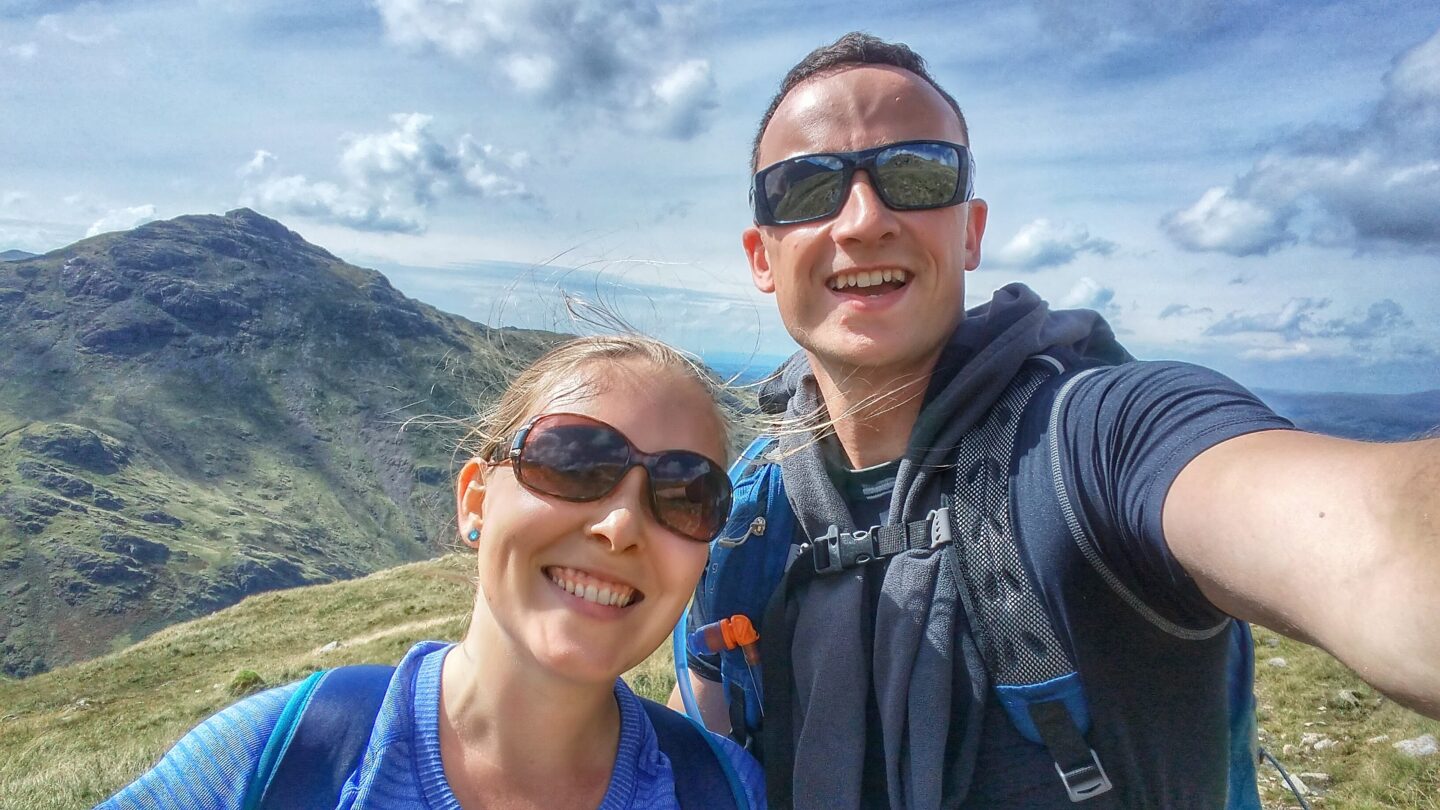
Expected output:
(1030, 669)
(321, 739)
(702, 771)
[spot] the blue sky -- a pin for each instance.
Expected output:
(1252, 185)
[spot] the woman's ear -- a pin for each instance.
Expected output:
(469, 500)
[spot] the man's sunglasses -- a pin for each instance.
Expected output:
(909, 175)
(576, 458)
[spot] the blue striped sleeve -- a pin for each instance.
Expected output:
(210, 767)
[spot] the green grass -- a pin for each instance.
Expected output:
(1305, 697)
(70, 737)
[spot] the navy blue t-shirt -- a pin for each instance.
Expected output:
(1148, 645)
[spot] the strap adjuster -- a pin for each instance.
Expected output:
(836, 551)
(939, 520)
(1086, 781)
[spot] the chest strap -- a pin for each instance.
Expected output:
(836, 551)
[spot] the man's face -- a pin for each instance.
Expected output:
(896, 326)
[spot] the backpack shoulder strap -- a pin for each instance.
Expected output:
(1030, 669)
(319, 739)
(701, 769)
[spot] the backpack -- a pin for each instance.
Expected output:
(754, 559)
(321, 736)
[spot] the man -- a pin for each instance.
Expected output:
(1185, 501)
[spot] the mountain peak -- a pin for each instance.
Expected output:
(250, 220)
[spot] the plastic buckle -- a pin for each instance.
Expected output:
(1087, 781)
(843, 550)
(939, 526)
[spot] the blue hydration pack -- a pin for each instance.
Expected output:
(762, 549)
(323, 731)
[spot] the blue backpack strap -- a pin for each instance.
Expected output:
(746, 563)
(702, 771)
(320, 739)
(1244, 791)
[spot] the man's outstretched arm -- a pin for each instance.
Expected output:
(1330, 541)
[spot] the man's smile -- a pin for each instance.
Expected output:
(869, 282)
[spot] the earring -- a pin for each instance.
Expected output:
(473, 536)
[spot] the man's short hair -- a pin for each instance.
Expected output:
(854, 49)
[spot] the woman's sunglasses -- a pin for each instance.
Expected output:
(576, 458)
(909, 175)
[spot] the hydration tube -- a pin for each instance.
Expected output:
(682, 667)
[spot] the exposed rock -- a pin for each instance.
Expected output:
(162, 518)
(79, 446)
(51, 478)
(1423, 746)
(1347, 698)
(105, 499)
(1300, 786)
(135, 548)
(1378, 738)
(1277, 662)
(427, 474)
(101, 569)
(133, 333)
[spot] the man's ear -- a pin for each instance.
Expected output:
(975, 231)
(470, 500)
(760, 273)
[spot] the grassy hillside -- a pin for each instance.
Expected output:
(71, 736)
(209, 407)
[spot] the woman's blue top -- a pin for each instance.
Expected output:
(211, 767)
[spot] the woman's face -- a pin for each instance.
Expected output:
(534, 549)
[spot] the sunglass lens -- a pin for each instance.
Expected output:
(576, 461)
(918, 175)
(805, 188)
(691, 495)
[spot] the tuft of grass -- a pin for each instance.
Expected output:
(245, 682)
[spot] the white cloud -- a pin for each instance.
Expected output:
(1305, 321)
(1114, 25)
(25, 51)
(1288, 351)
(630, 60)
(1043, 243)
(1184, 311)
(1221, 220)
(1091, 294)
(11, 198)
(1375, 187)
(122, 219)
(390, 179)
(54, 24)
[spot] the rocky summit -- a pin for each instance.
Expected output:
(208, 407)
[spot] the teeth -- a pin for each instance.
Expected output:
(867, 278)
(590, 589)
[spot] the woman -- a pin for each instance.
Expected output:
(593, 490)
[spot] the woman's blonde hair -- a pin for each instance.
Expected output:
(567, 364)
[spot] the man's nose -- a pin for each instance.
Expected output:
(864, 216)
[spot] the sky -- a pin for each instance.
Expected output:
(1251, 185)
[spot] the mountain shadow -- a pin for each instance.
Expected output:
(208, 407)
